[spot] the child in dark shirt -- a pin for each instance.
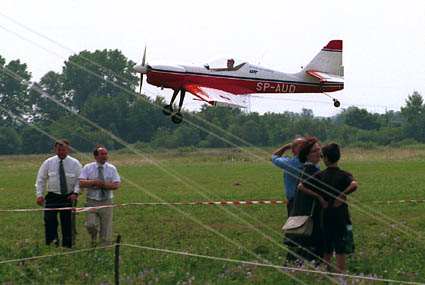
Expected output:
(330, 187)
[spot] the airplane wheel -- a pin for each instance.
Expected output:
(177, 118)
(167, 110)
(337, 103)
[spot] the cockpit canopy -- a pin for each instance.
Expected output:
(224, 63)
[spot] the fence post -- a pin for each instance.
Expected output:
(117, 260)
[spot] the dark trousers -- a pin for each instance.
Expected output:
(51, 221)
(289, 206)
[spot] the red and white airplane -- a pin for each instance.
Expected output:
(227, 82)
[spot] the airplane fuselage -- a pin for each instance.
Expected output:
(248, 79)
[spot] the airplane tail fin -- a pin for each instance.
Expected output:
(328, 60)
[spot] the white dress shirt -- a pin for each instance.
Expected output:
(91, 172)
(49, 179)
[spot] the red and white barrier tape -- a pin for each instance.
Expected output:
(85, 209)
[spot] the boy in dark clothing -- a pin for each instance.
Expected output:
(330, 187)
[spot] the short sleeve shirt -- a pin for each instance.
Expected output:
(91, 172)
(329, 183)
(292, 168)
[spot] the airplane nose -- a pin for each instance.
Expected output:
(141, 69)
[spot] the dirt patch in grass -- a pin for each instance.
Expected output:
(389, 153)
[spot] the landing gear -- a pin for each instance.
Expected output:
(336, 102)
(167, 110)
(176, 117)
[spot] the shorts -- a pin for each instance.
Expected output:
(334, 239)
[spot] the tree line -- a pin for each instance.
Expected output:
(93, 101)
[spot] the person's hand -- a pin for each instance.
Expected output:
(324, 203)
(338, 201)
(73, 197)
(40, 201)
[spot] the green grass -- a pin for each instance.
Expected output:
(389, 238)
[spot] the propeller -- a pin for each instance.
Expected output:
(142, 69)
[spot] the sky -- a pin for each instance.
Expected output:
(383, 41)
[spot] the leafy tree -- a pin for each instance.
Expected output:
(105, 73)
(414, 114)
(362, 119)
(46, 110)
(279, 128)
(307, 113)
(213, 138)
(144, 119)
(163, 138)
(391, 119)
(248, 129)
(10, 141)
(35, 142)
(14, 91)
(415, 107)
(83, 137)
(109, 113)
(186, 135)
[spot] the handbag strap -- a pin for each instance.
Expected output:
(295, 199)
(312, 208)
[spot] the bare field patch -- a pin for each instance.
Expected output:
(386, 153)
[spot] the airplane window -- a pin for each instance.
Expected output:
(228, 63)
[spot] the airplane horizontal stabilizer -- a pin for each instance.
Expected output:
(326, 77)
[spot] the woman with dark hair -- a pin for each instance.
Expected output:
(308, 248)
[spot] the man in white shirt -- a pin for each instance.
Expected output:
(101, 179)
(58, 175)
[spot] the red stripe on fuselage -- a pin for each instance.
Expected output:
(235, 85)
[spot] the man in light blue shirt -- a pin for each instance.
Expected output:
(291, 169)
(101, 179)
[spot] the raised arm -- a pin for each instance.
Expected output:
(280, 151)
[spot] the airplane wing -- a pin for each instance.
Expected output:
(326, 77)
(217, 97)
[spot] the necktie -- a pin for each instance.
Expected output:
(62, 179)
(100, 176)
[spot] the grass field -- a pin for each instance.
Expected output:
(389, 237)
